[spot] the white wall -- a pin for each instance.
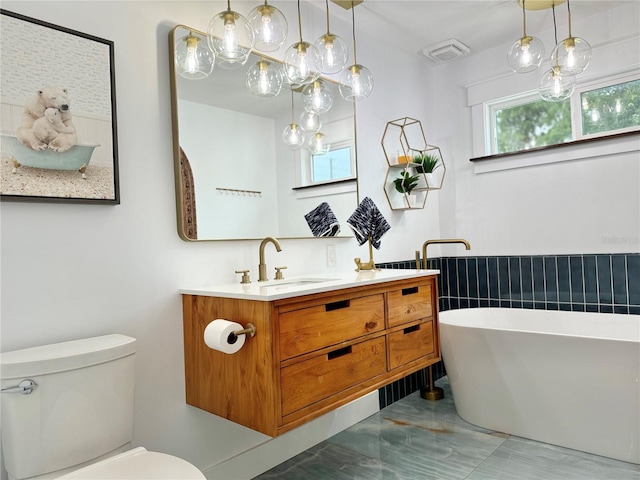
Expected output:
(569, 207)
(72, 271)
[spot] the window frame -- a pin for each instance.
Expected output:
(490, 107)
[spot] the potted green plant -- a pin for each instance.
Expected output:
(427, 162)
(406, 182)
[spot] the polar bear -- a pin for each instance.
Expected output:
(47, 128)
(47, 97)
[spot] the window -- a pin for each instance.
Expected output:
(525, 121)
(331, 166)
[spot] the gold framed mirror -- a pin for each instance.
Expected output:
(235, 177)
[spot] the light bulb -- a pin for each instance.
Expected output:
(316, 97)
(317, 144)
(264, 79)
(193, 62)
(334, 53)
(293, 136)
(270, 27)
(231, 39)
(572, 55)
(526, 54)
(356, 83)
(555, 87)
(310, 121)
(302, 63)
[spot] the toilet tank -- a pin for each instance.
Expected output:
(81, 409)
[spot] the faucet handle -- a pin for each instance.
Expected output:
(279, 275)
(245, 276)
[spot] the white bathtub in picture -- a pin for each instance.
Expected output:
(565, 378)
(76, 158)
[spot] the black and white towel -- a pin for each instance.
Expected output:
(367, 221)
(322, 221)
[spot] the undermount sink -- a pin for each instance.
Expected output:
(295, 282)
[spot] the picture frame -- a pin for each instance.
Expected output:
(59, 125)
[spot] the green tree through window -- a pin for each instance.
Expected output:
(534, 124)
(611, 108)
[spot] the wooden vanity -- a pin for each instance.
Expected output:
(313, 350)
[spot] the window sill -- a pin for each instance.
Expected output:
(329, 188)
(576, 150)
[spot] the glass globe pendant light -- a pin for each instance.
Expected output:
(526, 53)
(230, 37)
(193, 62)
(269, 27)
(316, 97)
(302, 61)
(264, 79)
(334, 52)
(293, 135)
(555, 87)
(317, 144)
(356, 82)
(310, 121)
(572, 54)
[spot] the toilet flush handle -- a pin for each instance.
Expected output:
(25, 387)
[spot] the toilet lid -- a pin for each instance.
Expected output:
(138, 464)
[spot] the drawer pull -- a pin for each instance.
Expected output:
(409, 291)
(339, 353)
(415, 328)
(336, 305)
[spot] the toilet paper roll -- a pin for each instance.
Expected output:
(218, 335)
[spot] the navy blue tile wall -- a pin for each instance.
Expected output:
(605, 283)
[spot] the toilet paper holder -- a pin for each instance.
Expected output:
(250, 329)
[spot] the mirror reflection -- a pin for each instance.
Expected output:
(237, 177)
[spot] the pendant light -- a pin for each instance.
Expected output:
(526, 53)
(334, 52)
(356, 82)
(302, 62)
(317, 144)
(572, 54)
(293, 135)
(554, 86)
(264, 79)
(310, 121)
(192, 60)
(316, 97)
(230, 37)
(269, 27)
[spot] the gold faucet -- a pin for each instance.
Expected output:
(262, 268)
(443, 240)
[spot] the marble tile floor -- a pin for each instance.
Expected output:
(414, 439)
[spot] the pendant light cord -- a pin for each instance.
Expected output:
(299, 22)
(327, 3)
(292, 119)
(524, 20)
(228, 5)
(353, 25)
(569, 12)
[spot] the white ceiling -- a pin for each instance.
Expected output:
(480, 24)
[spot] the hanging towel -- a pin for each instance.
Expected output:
(367, 221)
(322, 221)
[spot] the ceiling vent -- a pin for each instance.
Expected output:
(446, 51)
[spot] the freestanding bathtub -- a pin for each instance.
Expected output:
(76, 158)
(565, 378)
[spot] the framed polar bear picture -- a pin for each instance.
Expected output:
(58, 123)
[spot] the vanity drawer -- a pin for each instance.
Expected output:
(319, 377)
(311, 328)
(410, 343)
(409, 304)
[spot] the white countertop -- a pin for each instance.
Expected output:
(304, 285)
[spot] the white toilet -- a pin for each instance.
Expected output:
(67, 412)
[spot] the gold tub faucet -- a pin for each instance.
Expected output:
(443, 240)
(262, 268)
